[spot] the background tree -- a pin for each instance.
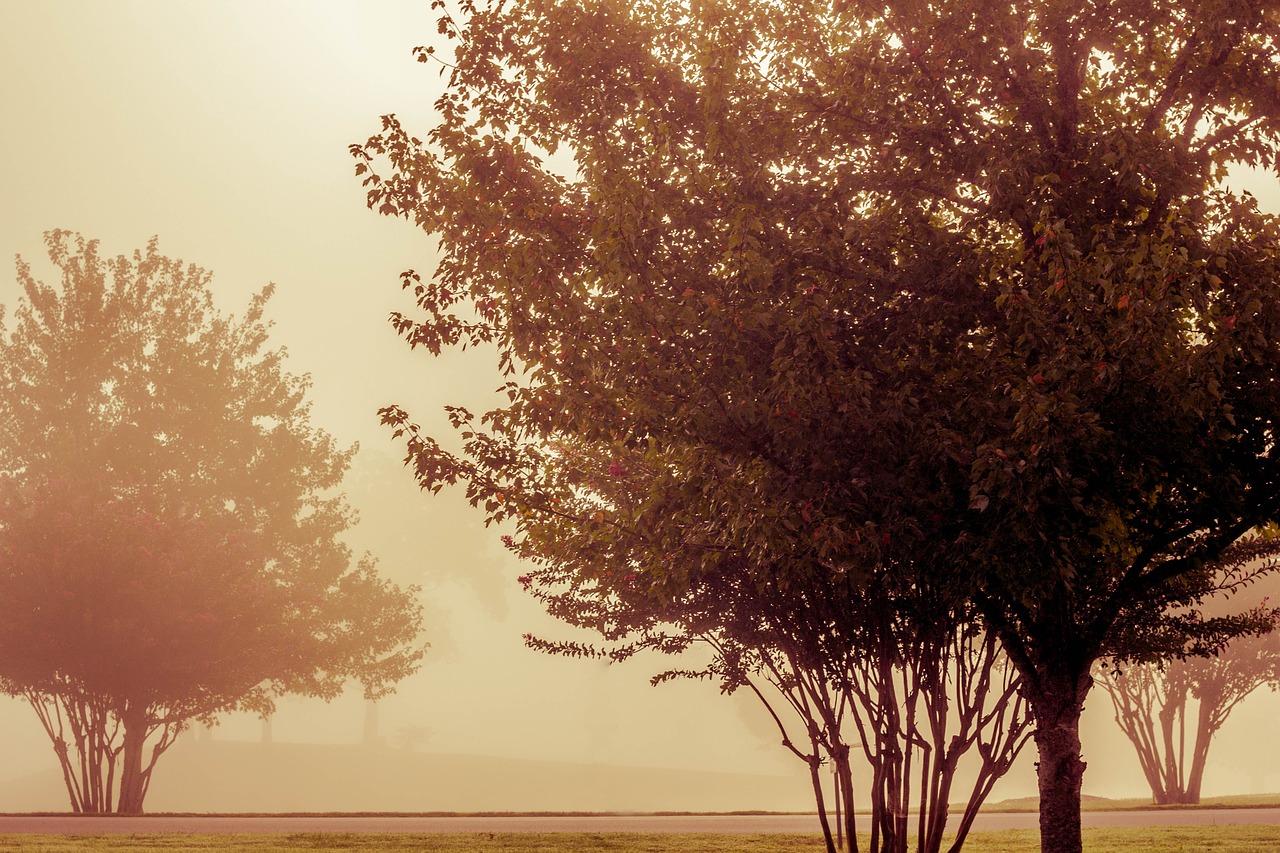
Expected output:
(168, 522)
(1152, 699)
(861, 276)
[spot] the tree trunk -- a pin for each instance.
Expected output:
(1210, 706)
(815, 776)
(1060, 772)
(371, 736)
(132, 775)
(1174, 714)
(844, 774)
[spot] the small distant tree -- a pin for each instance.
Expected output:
(411, 738)
(1171, 709)
(168, 522)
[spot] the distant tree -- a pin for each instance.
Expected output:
(867, 275)
(1152, 699)
(419, 541)
(168, 522)
(411, 738)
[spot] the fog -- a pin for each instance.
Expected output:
(222, 127)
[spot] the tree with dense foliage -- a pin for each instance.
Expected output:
(168, 522)
(855, 277)
(1151, 699)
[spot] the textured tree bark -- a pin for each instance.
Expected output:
(1061, 769)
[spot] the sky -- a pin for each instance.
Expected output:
(222, 128)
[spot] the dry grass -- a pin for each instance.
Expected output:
(1223, 839)
(1103, 804)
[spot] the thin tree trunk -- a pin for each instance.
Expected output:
(816, 777)
(69, 776)
(1170, 788)
(925, 805)
(837, 796)
(877, 799)
(1210, 702)
(844, 769)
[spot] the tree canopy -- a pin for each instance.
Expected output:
(956, 288)
(168, 522)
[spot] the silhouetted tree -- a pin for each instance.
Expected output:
(872, 662)
(1151, 699)
(168, 522)
(913, 708)
(860, 276)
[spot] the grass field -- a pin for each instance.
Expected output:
(1219, 839)
(1103, 804)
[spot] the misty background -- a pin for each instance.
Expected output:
(222, 127)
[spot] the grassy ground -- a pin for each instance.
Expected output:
(1102, 804)
(1020, 804)
(1219, 839)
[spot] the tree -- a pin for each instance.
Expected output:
(862, 276)
(1151, 699)
(843, 663)
(840, 669)
(168, 522)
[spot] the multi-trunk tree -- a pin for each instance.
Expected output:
(846, 664)
(858, 277)
(168, 522)
(1171, 709)
(843, 666)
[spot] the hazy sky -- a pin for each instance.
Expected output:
(222, 127)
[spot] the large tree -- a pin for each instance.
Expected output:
(168, 522)
(858, 276)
